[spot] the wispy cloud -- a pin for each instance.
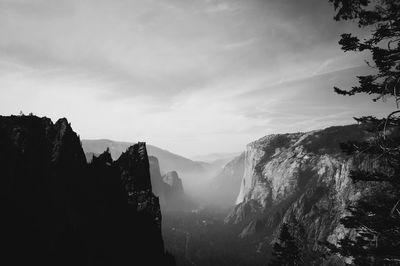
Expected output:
(240, 44)
(190, 76)
(221, 7)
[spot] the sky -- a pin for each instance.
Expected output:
(190, 76)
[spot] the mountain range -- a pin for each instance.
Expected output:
(56, 204)
(300, 179)
(196, 175)
(168, 161)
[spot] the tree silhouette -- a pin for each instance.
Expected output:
(285, 251)
(375, 217)
(382, 16)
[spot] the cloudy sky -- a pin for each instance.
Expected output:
(190, 76)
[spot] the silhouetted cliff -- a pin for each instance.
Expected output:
(58, 210)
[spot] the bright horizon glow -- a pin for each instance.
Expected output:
(189, 76)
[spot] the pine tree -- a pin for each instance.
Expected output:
(285, 251)
(375, 218)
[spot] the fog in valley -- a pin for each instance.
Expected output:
(200, 132)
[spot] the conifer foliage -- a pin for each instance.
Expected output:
(286, 251)
(382, 17)
(374, 220)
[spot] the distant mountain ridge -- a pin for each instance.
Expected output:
(213, 157)
(168, 161)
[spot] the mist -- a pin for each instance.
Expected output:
(199, 132)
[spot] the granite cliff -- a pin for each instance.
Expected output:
(302, 177)
(156, 180)
(174, 194)
(168, 188)
(224, 187)
(59, 210)
(174, 182)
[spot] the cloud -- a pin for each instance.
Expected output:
(192, 76)
(236, 45)
(221, 7)
(142, 46)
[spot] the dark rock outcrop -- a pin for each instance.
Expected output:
(58, 210)
(135, 169)
(145, 208)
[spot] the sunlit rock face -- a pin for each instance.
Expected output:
(302, 176)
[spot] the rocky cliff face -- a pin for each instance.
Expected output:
(134, 172)
(174, 182)
(300, 176)
(57, 210)
(224, 188)
(157, 180)
(169, 188)
(175, 197)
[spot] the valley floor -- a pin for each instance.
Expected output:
(201, 238)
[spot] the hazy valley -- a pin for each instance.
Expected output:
(301, 177)
(200, 133)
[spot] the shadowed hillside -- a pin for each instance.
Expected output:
(57, 210)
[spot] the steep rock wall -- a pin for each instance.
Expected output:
(224, 188)
(174, 182)
(175, 197)
(57, 210)
(301, 176)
